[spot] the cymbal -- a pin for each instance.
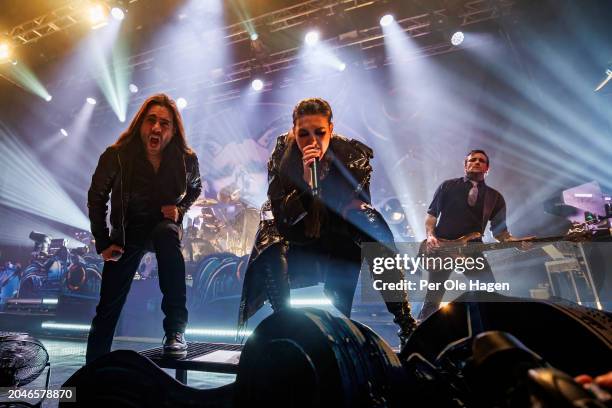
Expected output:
(204, 201)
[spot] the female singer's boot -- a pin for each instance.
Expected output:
(277, 278)
(403, 318)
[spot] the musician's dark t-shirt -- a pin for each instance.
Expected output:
(456, 218)
(144, 209)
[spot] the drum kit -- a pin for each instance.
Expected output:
(224, 224)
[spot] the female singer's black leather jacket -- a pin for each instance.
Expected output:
(286, 207)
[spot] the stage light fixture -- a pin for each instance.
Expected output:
(204, 331)
(91, 101)
(257, 84)
(48, 98)
(341, 66)
(311, 38)
(117, 13)
(397, 216)
(133, 88)
(181, 103)
(63, 132)
(65, 326)
(457, 38)
(393, 211)
(386, 20)
(254, 37)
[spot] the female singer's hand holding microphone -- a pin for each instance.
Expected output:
(309, 154)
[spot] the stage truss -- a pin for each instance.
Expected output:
(218, 81)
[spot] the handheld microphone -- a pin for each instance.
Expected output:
(314, 176)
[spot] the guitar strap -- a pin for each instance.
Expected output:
(490, 200)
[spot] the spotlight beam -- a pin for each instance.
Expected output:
(112, 79)
(29, 187)
(24, 78)
(559, 111)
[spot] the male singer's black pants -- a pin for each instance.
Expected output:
(164, 239)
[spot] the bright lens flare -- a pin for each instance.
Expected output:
(5, 51)
(117, 13)
(181, 103)
(312, 38)
(97, 16)
(257, 84)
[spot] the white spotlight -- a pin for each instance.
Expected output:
(254, 37)
(48, 98)
(117, 13)
(341, 66)
(63, 132)
(312, 37)
(457, 38)
(257, 84)
(91, 101)
(5, 51)
(181, 103)
(386, 20)
(133, 88)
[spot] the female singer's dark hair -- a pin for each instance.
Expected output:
(312, 106)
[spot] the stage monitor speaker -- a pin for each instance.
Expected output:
(573, 338)
(124, 378)
(309, 358)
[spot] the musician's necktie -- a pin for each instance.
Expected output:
(473, 194)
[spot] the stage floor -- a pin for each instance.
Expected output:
(68, 355)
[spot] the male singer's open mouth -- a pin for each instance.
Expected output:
(154, 141)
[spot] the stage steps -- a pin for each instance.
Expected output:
(206, 357)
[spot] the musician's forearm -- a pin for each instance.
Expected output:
(430, 225)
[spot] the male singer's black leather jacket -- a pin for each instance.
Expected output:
(114, 174)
